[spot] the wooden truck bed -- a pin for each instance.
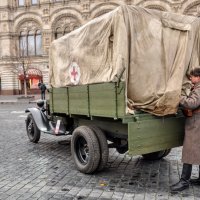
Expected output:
(146, 132)
(103, 100)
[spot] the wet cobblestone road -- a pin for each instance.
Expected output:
(46, 171)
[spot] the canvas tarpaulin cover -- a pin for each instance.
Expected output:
(152, 51)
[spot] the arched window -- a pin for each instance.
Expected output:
(58, 33)
(38, 41)
(0, 84)
(34, 2)
(64, 25)
(67, 30)
(23, 44)
(30, 43)
(21, 2)
(75, 27)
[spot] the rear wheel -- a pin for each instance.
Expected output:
(122, 149)
(32, 130)
(167, 151)
(156, 155)
(85, 149)
(104, 151)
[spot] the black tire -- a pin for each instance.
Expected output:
(103, 144)
(85, 149)
(156, 155)
(167, 151)
(32, 130)
(122, 149)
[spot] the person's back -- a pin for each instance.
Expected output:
(43, 89)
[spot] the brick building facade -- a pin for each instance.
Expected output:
(27, 28)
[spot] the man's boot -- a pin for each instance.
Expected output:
(184, 181)
(196, 181)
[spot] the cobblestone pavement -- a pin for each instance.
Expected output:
(46, 171)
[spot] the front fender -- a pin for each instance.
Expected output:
(40, 119)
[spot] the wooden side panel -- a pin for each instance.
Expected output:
(154, 135)
(103, 100)
(60, 100)
(78, 100)
(107, 100)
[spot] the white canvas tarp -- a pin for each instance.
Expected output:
(150, 50)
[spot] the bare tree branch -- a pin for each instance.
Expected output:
(22, 61)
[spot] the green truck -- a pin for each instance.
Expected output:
(116, 82)
(95, 117)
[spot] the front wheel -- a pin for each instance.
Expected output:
(32, 130)
(156, 155)
(85, 149)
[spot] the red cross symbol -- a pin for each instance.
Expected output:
(74, 73)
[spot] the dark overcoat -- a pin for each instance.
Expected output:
(191, 144)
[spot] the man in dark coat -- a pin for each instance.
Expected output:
(43, 88)
(191, 144)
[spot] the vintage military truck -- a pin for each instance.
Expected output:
(116, 83)
(95, 114)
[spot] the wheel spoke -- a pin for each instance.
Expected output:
(30, 127)
(86, 150)
(82, 150)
